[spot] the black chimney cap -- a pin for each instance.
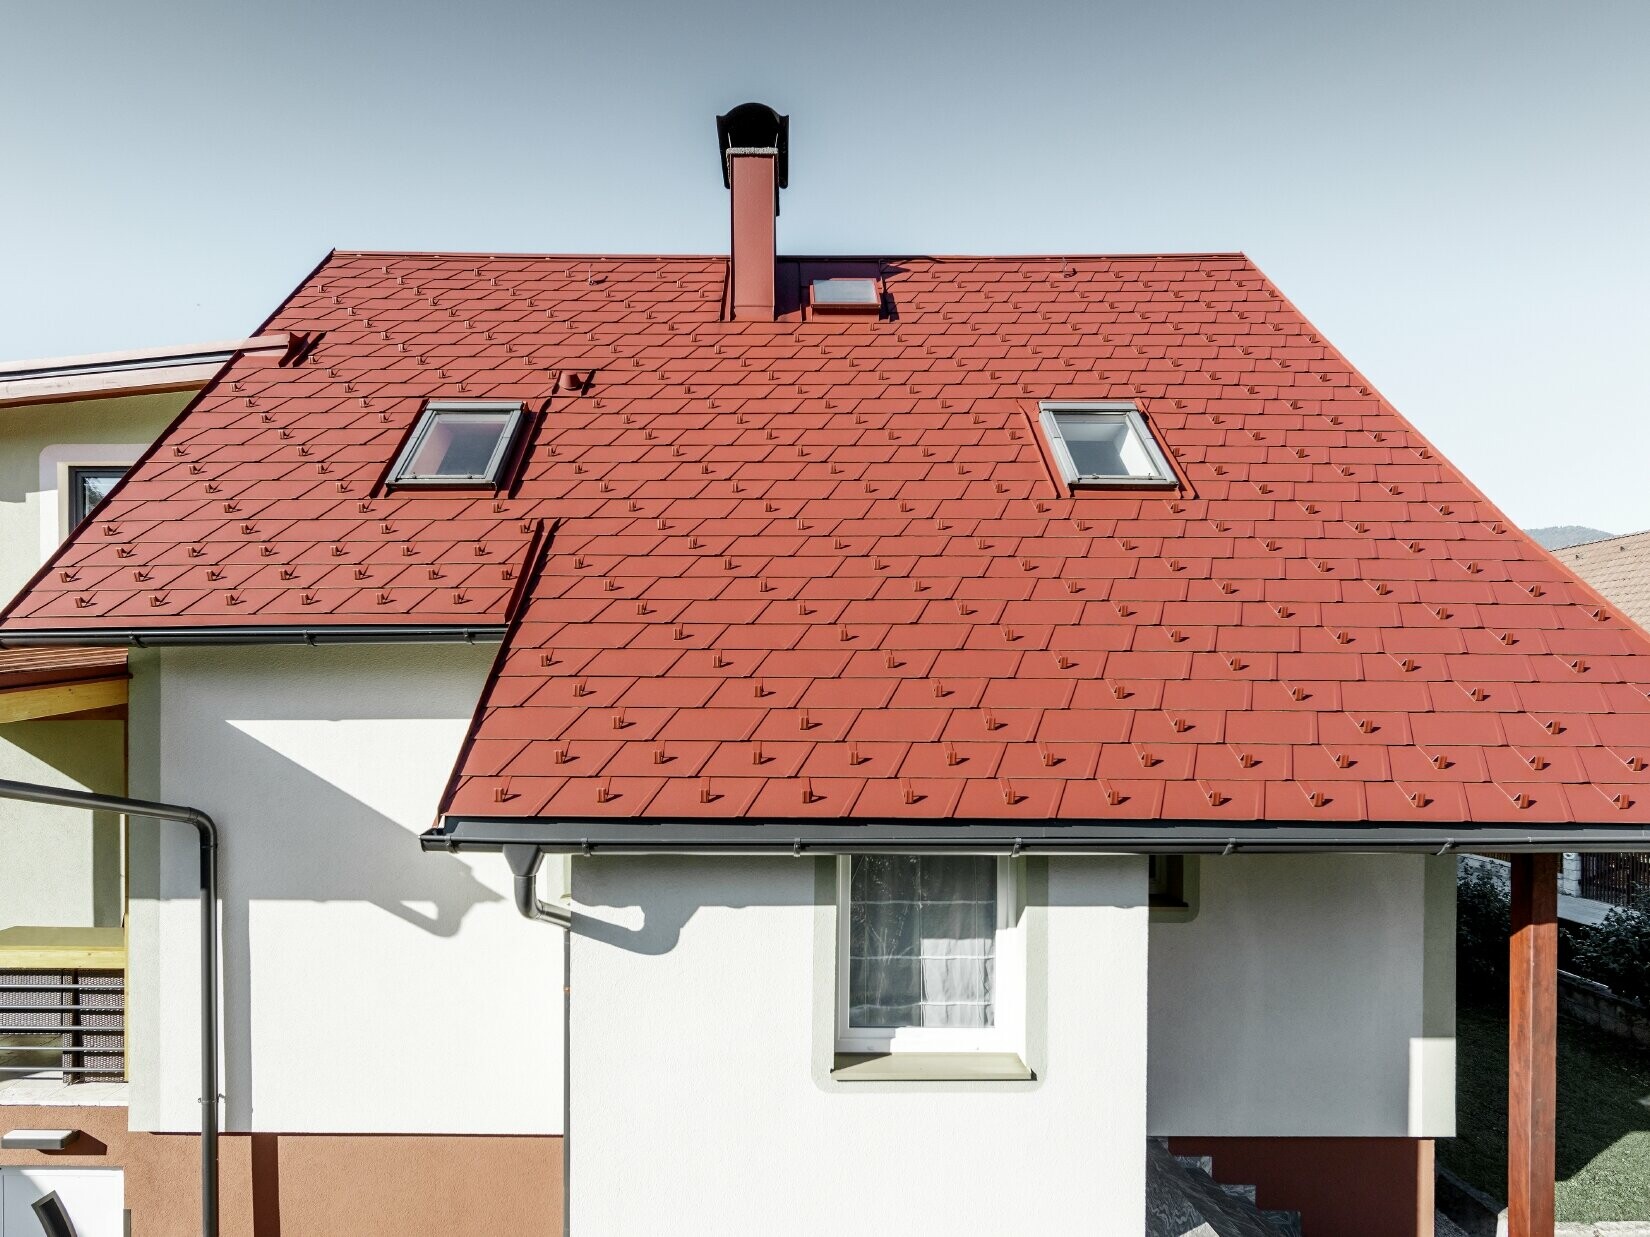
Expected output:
(755, 126)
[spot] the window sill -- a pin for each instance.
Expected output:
(931, 1067)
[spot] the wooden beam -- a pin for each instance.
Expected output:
(1532, 1046)
(63, 949)
(22, 704)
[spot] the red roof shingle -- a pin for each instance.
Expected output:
(826, 569)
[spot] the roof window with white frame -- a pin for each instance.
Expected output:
(1105, 445)
(851, 296)
(459, 445)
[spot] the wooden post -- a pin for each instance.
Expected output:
(1532, 1044)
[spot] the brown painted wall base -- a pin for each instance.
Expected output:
(297, 1185)
(1343, 1187)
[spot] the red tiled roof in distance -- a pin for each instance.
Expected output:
(825, 568)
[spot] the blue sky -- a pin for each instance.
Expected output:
(1455, 193)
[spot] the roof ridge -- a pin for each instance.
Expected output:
(1582, 545)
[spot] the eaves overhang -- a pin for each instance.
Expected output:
(147, 637)
(641, 836)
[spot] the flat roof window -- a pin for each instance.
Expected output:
(459, 445)
(846, 294)
(1105, 444)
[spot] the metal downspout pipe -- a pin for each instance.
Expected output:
(524, 864)
(207, 832)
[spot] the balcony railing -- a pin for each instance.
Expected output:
(64, 1024)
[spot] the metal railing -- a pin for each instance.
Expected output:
(64, 1024)
(1614, 877)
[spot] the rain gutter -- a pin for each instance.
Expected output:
(657, 836)
(153, 637)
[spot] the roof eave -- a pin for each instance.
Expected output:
(140, 637)
(660, 836)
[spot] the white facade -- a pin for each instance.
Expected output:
(1309, 995)
(369, 987)
(59, 868)
(702, 1036)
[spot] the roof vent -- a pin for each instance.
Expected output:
(845, 296)
(754, 143)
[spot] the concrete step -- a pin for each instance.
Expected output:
(1183, 1200)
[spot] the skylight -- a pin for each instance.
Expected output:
(459, 445)
(846, 294)
(1104, 444)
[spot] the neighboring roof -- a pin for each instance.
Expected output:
(140, 372)
(1619, 568)
(825, 570)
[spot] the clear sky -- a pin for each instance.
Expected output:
(1457, 193)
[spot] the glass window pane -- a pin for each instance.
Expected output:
(88, 487)
(922, 941)
(1105, 446)
(458, 445)
(846, 292)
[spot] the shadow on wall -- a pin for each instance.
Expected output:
(72, 876)
(309, 841)
(675, 889)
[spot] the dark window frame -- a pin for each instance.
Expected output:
(491, 477)
(79, 508)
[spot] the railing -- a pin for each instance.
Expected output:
(65, 1024)
(1614, 877)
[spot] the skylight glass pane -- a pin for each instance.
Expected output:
(1107, 445)
(846, 292)
(458, 445)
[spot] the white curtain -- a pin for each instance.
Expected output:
(922, 935)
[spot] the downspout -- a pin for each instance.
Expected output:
(207, 833)
(524, 866)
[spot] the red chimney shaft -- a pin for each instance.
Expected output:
(753, 142)
(755, 196)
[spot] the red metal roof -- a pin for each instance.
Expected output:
(826, 568)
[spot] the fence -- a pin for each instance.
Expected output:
(1614, 878)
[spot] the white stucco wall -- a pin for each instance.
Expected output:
(61, 866)
(1310, 995)
(700, 1097)
(369, 987)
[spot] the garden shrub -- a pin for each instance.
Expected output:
(1482, 921)
(1617, 951)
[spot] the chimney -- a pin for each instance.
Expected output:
(754, 143)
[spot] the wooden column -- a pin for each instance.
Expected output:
(1532, 1044)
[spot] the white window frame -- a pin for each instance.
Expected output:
(489, 478)
(1049, 414)
(1009, 976)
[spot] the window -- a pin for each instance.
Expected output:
(459, 445)
(930, 954)
(846, 294)
(1168, 880)
(1104, 444)
(88, 486)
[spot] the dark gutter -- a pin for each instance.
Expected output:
(139, 637)
(608, 835)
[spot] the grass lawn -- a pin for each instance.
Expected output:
(1603, 1127)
